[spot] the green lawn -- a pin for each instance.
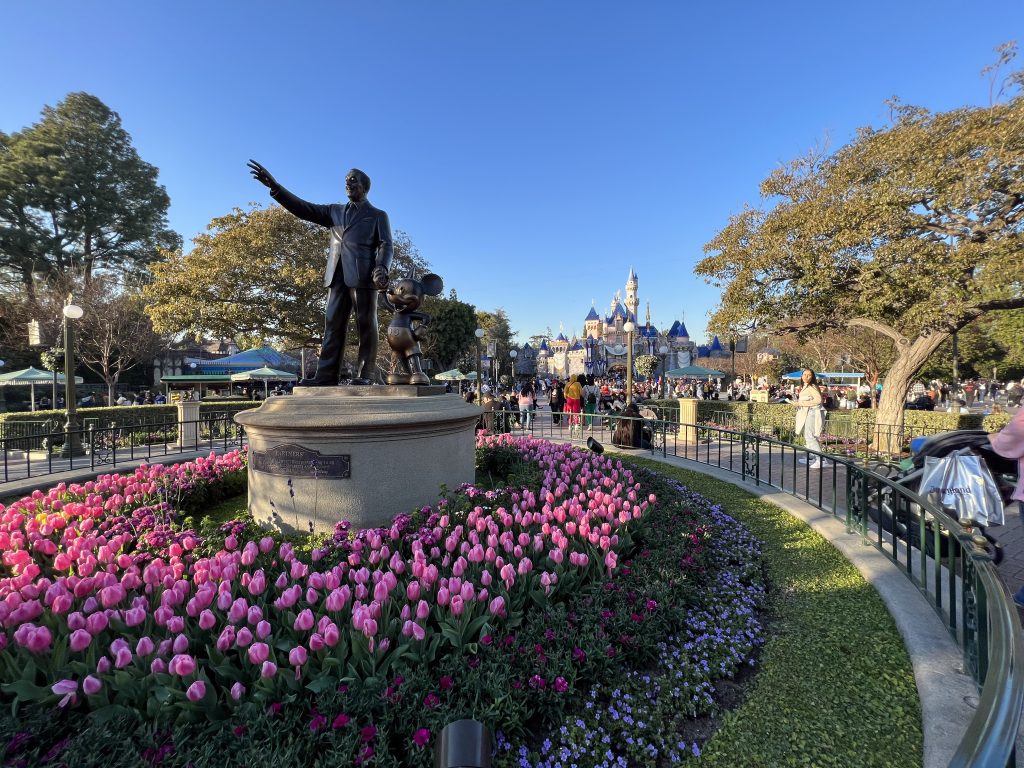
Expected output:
(835, 686)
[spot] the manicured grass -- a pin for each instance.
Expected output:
(835, 686)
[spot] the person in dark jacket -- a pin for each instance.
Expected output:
(556, 399)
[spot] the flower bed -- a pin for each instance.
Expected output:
(515, 606)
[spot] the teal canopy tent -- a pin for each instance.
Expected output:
(31, 377)
(694, 372)
(266, 375)
(453, 375)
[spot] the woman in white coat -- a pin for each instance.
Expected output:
(810, 415)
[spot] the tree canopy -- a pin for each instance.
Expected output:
(451, 334)
(76, 198)
(257, 273)
(912, 229)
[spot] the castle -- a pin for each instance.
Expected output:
(602, 347)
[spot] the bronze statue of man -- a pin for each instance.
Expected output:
(357, 267)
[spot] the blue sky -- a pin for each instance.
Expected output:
(533, 151)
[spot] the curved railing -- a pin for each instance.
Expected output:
(939, 555)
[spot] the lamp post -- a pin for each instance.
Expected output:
(513, 354)
(663, 349)
(628, 328)
(479, 333)
(72, 440)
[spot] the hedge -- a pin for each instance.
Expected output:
(118, 416)
(779, 416)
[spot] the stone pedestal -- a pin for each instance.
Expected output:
(687, 418)
(188, 424)
(362, 454)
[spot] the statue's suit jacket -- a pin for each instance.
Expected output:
(360, 246)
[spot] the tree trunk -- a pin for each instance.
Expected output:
(910, 358)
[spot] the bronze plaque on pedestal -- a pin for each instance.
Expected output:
(292, 460)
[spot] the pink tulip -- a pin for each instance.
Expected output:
(258, 653)
(96, 623)
(269, 669)
(457, 605)
(144, 647)
(263, 629)
(67, 689)
(258, 583)
(180, 644)
(497, 606)
(196, 691)
(304, 621)
(80, 640)
(182, 665)
(207, 620)
(176, 624)
(237, 691)
(243, 638)
(316, 642)
(239, 610)
(91, 685)
(254, 615)
(297, 656)
(331, 636)
(422, 610)
(158, 666)
(103, 665)
(226, 639)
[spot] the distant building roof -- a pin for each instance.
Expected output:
(620, 311)
(592, 315)
(575, 345)
(648, 331)
(716, 345)
(544, 345)
(703, 350)
(682, 332)
(561, 337)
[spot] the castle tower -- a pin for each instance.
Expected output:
(632, 303)
(592, 325)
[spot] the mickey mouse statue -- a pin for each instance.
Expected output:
(408, 327)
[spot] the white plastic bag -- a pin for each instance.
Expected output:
(966, 485)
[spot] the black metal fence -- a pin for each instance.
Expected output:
(96, 447)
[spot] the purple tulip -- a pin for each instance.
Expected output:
(258, 653)
(80, 640)
(196, 691)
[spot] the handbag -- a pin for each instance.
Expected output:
(964, 483)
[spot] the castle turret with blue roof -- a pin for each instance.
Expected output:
(593, 352)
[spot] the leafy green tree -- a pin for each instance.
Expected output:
(76, 198)
(912, 230)
(450, 336)
(497, 329)
(258, 273)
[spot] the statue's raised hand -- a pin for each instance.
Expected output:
(262, 175)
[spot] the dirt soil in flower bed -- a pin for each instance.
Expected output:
(585, 612)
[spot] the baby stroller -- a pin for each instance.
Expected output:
(886, 511)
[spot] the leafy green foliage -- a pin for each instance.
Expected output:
(259, 272)
(911, 229)
(76, 198)
(450, 338)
